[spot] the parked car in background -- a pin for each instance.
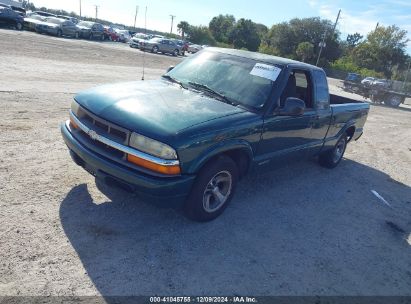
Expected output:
(19, 10)
(194, 48)
(58, 27)
(31, 22)
(72, 19)
(10, 18)
(156, 45)
(111, 34)
(43, 14)
(367, 81)
(124, 35)
(183, 45)
(381, 83)
(91, 30)
(137, 38)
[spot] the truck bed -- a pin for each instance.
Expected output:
(336, 99)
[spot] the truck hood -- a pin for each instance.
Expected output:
(154, 108)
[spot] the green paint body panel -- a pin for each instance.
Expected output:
(199, 127)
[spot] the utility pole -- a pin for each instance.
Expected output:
(322, 43)
(135, 17)
(172, 20)
(96, 6)
(80, 8)
(377, 26)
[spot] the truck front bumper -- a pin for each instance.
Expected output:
(163, 191)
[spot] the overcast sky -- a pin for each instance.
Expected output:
(357, 16)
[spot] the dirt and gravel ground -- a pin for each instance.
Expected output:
(299, 230)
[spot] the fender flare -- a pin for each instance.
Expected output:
(220, 148)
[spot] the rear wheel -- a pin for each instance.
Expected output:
(212, 190)
(332, 158)
(155, 49)
(103, 38)
(394, 101)
(91, 36)
(19, 26)
(76, 35)
(176, 52)
(59, 33)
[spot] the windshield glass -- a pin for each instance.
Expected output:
(86, 24)
(232, 76)
(54, 20)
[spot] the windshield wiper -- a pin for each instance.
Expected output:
(207, 89)
(174, 80)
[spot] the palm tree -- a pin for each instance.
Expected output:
(182, 28)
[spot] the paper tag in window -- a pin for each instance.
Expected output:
(266, 71)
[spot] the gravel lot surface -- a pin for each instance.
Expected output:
(298, 230)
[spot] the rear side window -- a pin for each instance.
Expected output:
(322, 96)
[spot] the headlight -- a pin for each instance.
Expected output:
(152, 146)
(75, 107)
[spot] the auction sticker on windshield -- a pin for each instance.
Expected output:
(266, 71)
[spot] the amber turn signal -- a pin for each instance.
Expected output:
(73, 123)
(169, 170)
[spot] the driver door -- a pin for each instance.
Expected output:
(288, 137)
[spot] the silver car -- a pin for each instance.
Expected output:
(58, 27)
(161, 45)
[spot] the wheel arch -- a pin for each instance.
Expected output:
(240, 152)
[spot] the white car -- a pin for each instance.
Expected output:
(124, 35)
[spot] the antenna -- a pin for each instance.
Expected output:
(144, 48)
(96, 6)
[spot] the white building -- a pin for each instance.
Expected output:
(11, 2)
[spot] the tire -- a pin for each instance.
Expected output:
(332, 158)
(213, 190)
(154, 49)
(77, 35)
(19, 26)
(59, 33)
(394, 101)
(175, 53)
(91, 36)
(102, 38)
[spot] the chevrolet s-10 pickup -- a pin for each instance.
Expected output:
(187, 138)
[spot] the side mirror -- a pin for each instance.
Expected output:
(170, 68)
(292, 107)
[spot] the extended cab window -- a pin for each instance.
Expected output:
(322, 95)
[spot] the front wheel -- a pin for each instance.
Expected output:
(154, 49)
(332, 158)
(212, 190)
(77, 35)
(175, 53)
(19, 26)
(59, 33)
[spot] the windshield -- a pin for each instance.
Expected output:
(85, 24)
(54, 20)
(237, 78)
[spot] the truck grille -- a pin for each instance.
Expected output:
(105, 129)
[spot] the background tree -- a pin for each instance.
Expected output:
(383, 49)
(182, 28)
(221, 26)
(305, 51)
(353, 39)
(245, 35)
(200, 35)
(283, 38)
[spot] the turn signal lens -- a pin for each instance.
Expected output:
(169, 170)
(73, 123)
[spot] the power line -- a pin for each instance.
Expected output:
(96, 6)
(172, 21)
(322, 43)
(135, 17)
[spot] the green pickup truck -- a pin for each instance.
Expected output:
(187, 138)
